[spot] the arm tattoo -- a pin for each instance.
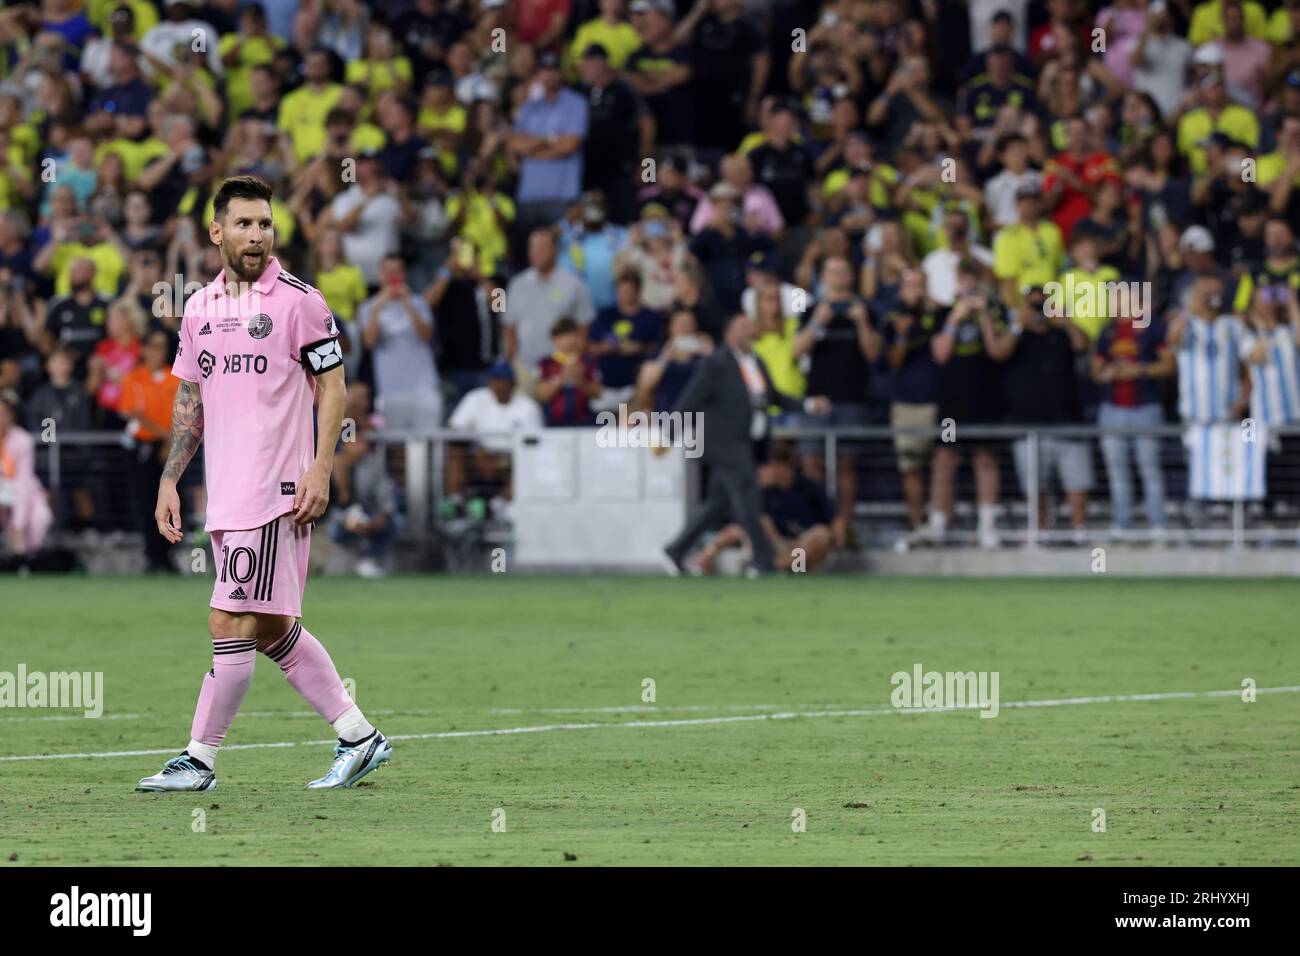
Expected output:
(187, 430)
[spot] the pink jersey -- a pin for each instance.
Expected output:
(255, 359)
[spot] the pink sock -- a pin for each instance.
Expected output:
(223, 689)
(309, 670)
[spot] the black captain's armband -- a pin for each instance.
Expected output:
(322, 356)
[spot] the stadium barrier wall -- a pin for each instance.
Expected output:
(417, 463)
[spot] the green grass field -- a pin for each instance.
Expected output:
(1195, 780)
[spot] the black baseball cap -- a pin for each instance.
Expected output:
(1220, 139)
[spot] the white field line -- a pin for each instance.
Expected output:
(289, 714)
(701, 721)
(646, 708)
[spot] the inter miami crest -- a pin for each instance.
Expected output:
(259, 326)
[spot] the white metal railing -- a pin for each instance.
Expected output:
(418, 460)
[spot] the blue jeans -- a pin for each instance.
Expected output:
(1115, 449)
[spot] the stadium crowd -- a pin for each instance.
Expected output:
(522, 212)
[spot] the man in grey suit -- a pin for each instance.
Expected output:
(732, 391)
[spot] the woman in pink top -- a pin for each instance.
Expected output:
(1123, 22)
(25, 514)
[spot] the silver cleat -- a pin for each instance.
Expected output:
(353, 763)
(179, 774)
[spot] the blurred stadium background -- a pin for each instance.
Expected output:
(463, 179)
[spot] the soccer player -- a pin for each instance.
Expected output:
(257, 346)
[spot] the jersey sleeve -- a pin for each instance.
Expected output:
(185, 366)
(1245, 290)
(314, 335)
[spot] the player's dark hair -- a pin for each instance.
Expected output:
(563, 327)
(239, 187)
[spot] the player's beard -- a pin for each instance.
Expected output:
(246, 270)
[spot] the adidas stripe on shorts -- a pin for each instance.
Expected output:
(262, 570)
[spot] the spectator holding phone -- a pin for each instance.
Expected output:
(840, 342)
(969, 392)
(663, 377)
(909, 327)
(397, 327)
(567, 380)
(1038, 348)
(1130, 364)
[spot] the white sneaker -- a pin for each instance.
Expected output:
(179, 774)
(911, 539)
(351, 763)
(501, 509)
(989, 539)
(369, 568)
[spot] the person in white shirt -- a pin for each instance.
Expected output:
(1000, 191)
(940, 266)
(492, 411)
(95, 57)
(981, 22)
(760, 275)
(1160, 61)
(1269, 345)
(180, 29)
(369, 216)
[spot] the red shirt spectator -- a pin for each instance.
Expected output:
(1073, 175)
(118, 358)
(1044, 42)
(535, 20)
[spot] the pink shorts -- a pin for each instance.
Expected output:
(262, 571)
